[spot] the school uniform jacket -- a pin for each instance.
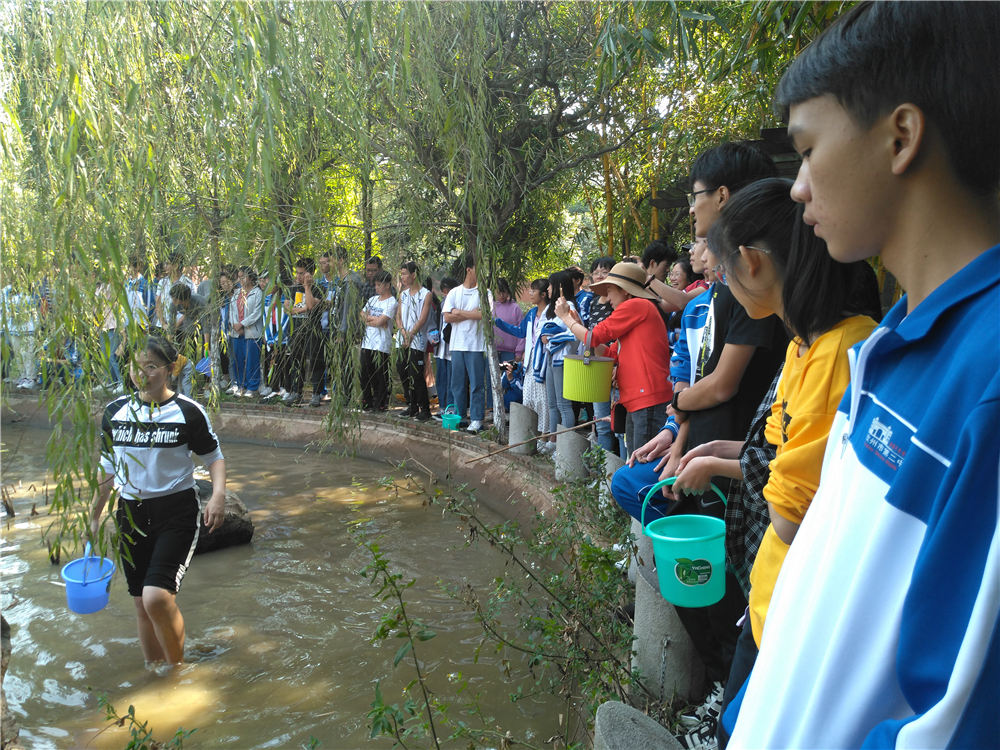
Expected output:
(882, 631)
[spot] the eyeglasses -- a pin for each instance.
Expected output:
(151, 369)
(690, 196)
(720, 272)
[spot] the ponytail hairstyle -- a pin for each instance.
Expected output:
(542, 287)
(563, 284)
(817, 291)
(162, 349)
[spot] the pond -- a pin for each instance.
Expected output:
(277, 632)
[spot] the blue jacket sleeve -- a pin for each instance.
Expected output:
(520, 331)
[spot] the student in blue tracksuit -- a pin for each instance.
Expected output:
(882, 630)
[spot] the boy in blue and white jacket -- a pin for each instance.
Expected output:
(882, 629)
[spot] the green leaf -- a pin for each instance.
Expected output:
(695, 15)
(403, 651)
(426, 635)
(133, 95)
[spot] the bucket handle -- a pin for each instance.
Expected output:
(587, 348)
(666, 483)
(453, 407)
(88, 555)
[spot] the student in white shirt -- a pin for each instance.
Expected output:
(411, 317)
(468, 343)
(378, 314)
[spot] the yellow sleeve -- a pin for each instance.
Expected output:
(795, 470)
(772, 429)
(812, 393)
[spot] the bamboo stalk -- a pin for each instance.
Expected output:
(536, 437)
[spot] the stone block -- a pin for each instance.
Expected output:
(523, 426)
(633, 567)
(664, 654)
(621, 727)
(570, 448)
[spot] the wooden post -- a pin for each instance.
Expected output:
(608, 207)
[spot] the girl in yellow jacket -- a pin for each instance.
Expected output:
(774, 264)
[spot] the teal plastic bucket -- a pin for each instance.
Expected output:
(690, 554)
(450, 420)
(88, 583)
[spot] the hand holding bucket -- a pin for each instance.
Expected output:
(586, 377)
(690, 553)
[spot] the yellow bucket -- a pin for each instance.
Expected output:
(587, 378)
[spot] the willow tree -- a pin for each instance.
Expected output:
(126, 128)
(485, 103)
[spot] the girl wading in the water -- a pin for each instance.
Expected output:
(146, 456)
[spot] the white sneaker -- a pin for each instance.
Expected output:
(710, 708)
(249, 394)
(234, 390)
(224, 383)
(547, 447)
(265, 391)
(474, 427)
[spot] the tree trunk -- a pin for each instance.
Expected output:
(493, 367)
(608, 204)
(367, 209)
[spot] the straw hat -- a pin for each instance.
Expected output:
(627, 276)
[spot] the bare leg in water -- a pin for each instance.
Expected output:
(161, 626)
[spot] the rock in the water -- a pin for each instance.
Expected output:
(237, 529)
(9, 730)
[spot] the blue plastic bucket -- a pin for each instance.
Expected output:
(690, 554)
(88, 583)
(450, 420)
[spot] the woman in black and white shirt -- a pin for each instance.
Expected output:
(146, 458)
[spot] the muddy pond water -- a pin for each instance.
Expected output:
(277, 632)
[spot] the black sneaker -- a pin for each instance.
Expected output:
(315, 401)
(423, 416)
(702, 737)
(294, 399)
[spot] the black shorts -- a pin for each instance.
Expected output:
(162, 553)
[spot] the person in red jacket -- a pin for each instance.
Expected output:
(642, 352)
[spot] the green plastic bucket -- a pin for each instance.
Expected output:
(690, 554)
(450, 420)
(587, 378)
